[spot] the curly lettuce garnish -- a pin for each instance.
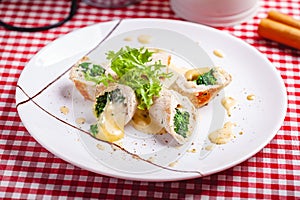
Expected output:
(128, 58)
(145, 82)
(133, 67)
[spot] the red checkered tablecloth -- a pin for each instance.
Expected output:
(29, 171)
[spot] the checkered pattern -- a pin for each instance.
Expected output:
(28, 171)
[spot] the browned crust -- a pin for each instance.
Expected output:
(82, 88)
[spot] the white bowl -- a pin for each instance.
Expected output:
(215, 12)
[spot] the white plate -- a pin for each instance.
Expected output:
(45, 81)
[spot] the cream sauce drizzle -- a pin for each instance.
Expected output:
(193, 74)
(128, 39)
(111, 122)
(172, 164)
(228, 103)
(218, 53)
(193, 150)
(210, 147)
(64, 110)
(143, 122)
(100, 147)
(223, 135)
(144, 39)
(80, 120)
(251, 97)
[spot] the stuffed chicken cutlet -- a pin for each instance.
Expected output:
(113, 108)
(175, 113)
(201, 85)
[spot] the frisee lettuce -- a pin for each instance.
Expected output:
(133, 67)
(145, 82)
(128, 58)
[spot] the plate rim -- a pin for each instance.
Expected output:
(182, 23)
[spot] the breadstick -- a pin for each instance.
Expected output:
(284, 19)
(279, 32)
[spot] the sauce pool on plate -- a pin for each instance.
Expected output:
(223, 135)
(228, 103)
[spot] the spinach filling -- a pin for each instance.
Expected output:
(181, 122)
(114, 96)
(95, 73)
(207, 78)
